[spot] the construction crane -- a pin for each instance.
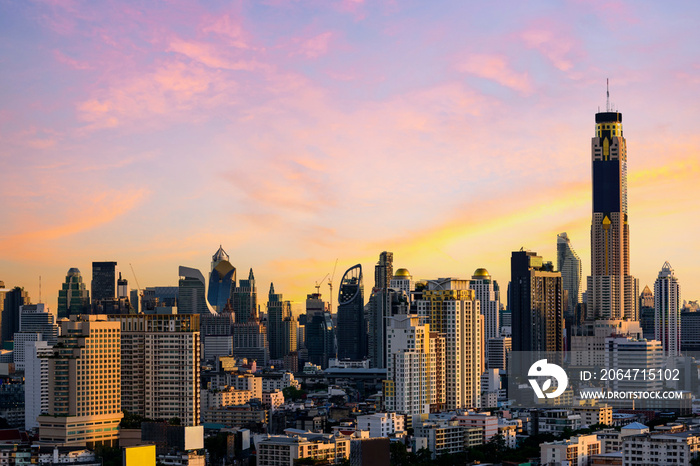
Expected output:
(330, 283)
(319, 283)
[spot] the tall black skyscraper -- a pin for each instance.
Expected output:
(612, 292)
(104, 281)
(244, 300)
(536, 302)
(352, 325)
(320, 336)
(10, 314)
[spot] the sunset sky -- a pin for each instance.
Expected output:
(297, 132)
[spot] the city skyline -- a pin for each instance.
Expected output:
(293, 135)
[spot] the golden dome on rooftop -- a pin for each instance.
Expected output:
(402, 273)
(481, 273)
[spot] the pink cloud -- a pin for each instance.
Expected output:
(313, 47)
(229, 27)
(496, 68)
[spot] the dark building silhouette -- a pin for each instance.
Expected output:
(384, 270)
(536, 302)
(10, 314)
(384, 303)
(104, 281)
(244, 300)
(352, 325)
(73, 297)
(320, 336)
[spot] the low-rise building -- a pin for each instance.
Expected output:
(381, 424)
(594, 414)
(678, 448)
(575, 451)
(235, 416)
(484, 421)
(284, 450)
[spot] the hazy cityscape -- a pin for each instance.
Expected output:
(243, 235)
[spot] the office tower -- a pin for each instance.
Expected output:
(690, 330)
(320, 335)
(217, 333)
(612, 291)
(222, 280)
(104, 281)
(413, 373)
(38, 318)
(384, 303)
(384, 270)
(403, 281)
(536, 302)
(160, 360)
(159, 296)
(498, 350)
(250, 340)
(667, 315)
(3, 291)
(281, 327)
(646, 313)
(452, 310)
(489, 295)
(569, 265)
(36, 382)
(73, 297)
(352, 325)
(628, 353)
(14, 299)
(84, 384)
(191, 292)
(244, 300)
(20, 339)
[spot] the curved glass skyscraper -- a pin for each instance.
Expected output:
(222, 280)
(352, 325)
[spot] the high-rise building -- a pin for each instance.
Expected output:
(320, 335)
(384, 270)
(646, 313)
(667, 307)
(104, 281)
(38, 318)
(499, 348)
(384, 303)
(352, 325)
(14, 299)
(222, 280)
(73, 297)
(452, 310)
(36, 382)
(160, 366)
(84, 384)
(612, 291)
(244, 300)
(217, 333)
(402, 280)
(3, 292)
(536, 302)
(569, 265)
(489, 295)
(281, 327)
(191, 294)
(413, 373)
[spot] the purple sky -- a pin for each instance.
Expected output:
(294, 133)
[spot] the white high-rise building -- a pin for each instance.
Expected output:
(667, 311)
(413, 375)
(36, 381)
(489, 295)
(402, 280)
(451, 308)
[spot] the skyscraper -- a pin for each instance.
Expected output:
(84, 384)
(536, 302)
(402, 280)
(384, 303)
(104, 281)
(569, 265)
(352, 325)
(320, 336)
(222, 280)
(14, 299)
(73, 297)
(612, 291)
(667, 310)
(160, 366)
(489, 295)
(647, 313)
(281, 328)
(452, 310)
(244, 300)
(384, 270)
(191, 294)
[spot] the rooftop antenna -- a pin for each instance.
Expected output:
(39, 288)
(607, 92)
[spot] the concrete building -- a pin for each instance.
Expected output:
(84, 384)
(160, 362)
(413, 375)
(575, 451)
(284, 450)
(488, 293)
(667, 311)
(36, 382)
(650, 448)
(594, 414)
(499, 349)
(442, 437)
(451, 308)
(403, 281)
(487, 423)
(281, 327)
(381, 424)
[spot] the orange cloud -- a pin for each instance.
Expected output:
(496, 68)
